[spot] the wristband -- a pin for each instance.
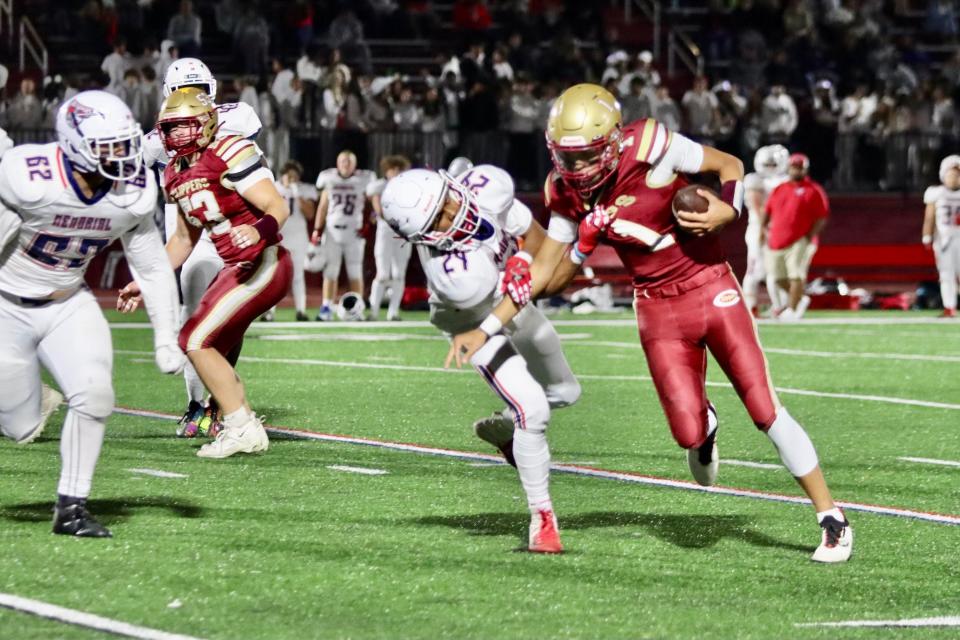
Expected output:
(731, 192)
(268, 228)
(491, 325)
(577, 256)
(927, 239)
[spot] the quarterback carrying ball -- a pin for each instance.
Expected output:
(615, 184)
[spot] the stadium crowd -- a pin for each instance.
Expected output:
(834, 79)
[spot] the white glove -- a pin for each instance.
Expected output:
(170, 359)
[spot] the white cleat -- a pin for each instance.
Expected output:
(50, 400)
(802, 307)
(704, 461)
(250, 438)
(836, 544)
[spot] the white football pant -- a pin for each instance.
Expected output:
(391, 255)
(71, 339)
(506, 373)
(347, 249)
(756, 270)
(296, 241)
(948, 266)
(537, 341)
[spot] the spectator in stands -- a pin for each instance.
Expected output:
(822, 129)
(665, 110)
(796, 213)
(184, 29)
(168, 53)
(778, 116)
(376, 114)
(518, 54)
(731, 107)
(943, 120)
(636, 104)
(129, 92)
(941, 20)
(151, 95)
(700, 111)
(616, 67)
(472, 66)
(311, 75)
(407, 114)
(247, 92)
(434, 117)
(287, 92)
(471, 16)
(346, 34)
(341, 107)
(501, 66)
(251, 41)
(646, 70)
(115, 65)
(525, 127)
(479, 110)
(301, 17)
(225, 13)
(452, 93)
(25, 111)
(798, 23)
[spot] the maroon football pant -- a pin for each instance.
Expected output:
(235, 298)
(678, 324)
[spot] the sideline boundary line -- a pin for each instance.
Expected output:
(83, 619)
(580, 470)
(940, 621)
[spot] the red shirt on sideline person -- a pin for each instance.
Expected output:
(793, 207)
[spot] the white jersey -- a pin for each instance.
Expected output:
(347, 197)
(947, 211)
(62, 230)
(295, 227)
(764, 184)
(464, 285)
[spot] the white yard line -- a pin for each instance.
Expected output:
(361, 470)
(623, 476)
(944, 463)
(158, 473)
(83, 619)
(942, 621)
(752, 465)
(585, 376)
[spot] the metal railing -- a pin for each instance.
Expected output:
(651, 9)
(681, 47)
(6, 14)
(30, 42)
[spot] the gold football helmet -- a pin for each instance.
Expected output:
(187, 121)
(583, 135)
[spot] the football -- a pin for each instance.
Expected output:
(687, 199)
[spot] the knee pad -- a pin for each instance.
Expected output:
(95, 401)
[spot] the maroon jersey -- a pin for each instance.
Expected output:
(206, 193)
(644, 232)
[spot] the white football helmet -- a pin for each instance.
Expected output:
(413, 200)
(189, 72)
(97, 133)
(351, 306)
(459, 165)
(316, 258)
(948, 163)
(771, 160)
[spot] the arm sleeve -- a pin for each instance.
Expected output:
(682, 155)
(562, 229)
(150, 267)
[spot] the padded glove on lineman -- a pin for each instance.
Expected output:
(590, 232)
(170, 359)
(517, 280)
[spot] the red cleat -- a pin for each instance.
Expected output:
(949, 313)
(544, 533)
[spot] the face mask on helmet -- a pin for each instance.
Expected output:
(464, 224)
(120, 158)
(183, 136)
(586, 167)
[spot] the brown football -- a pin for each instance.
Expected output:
(687, 199)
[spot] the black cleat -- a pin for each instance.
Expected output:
(302, 317)
(75, 520)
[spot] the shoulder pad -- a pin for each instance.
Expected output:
(138, 196)
(237, 119)
(753, 181)
(931, 194)
(235, 151)
(325, 178)
(492, 185)
(18, 187)
(376, 186)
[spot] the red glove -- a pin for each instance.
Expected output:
(517, 280)
(590, 232)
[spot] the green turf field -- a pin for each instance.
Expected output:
(283, 546)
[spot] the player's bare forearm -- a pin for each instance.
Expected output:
(180, 244)
(929, 222)
(564, 274)
(264, 196)
(817, 227)
(533, 238)
(726, 166)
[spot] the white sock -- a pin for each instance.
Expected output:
(793, 444)
(948, 291)
(376, 296)
(327, 303)
(396, 297)
(533, 464)
(195, 388)
(835, 512)
(777, 296)
(750, 287)
(237, 419)
(299, 290)
(80, 443)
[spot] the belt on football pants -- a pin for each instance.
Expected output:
(696, 281)
(37, 302)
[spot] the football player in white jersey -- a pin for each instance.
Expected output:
(770, 169)
(235, 119)
(301, 198)
(390, 252)
(339, 223)
(60, 204)
(941, 230)
(466, 230)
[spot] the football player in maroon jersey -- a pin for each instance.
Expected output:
(615, 184)
(221, 185)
